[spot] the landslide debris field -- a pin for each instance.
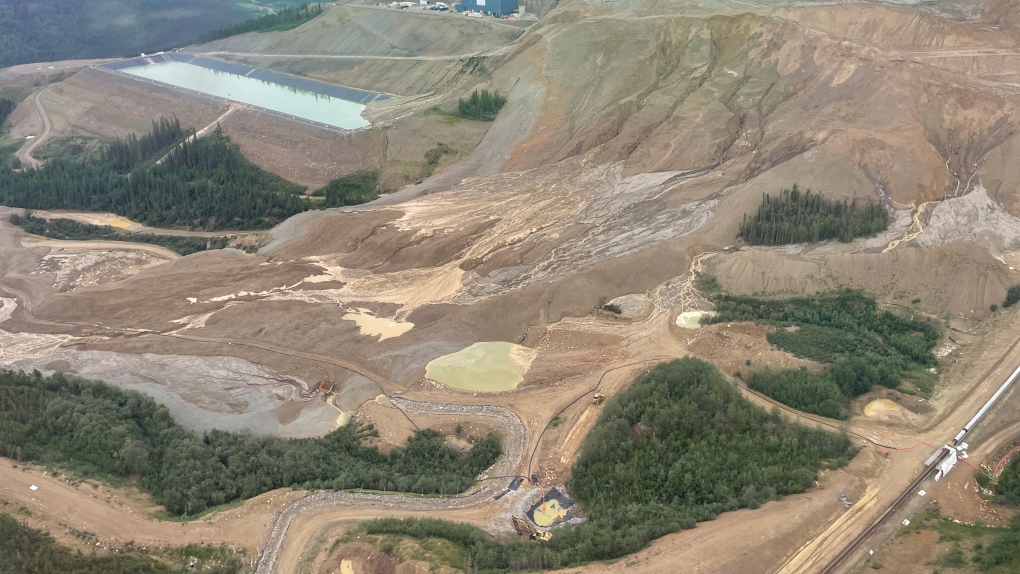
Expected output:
(566, 247)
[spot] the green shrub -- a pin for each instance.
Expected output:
(612, 308)
(1012, 296)
(352, 189)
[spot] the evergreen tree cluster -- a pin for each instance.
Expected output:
(285, 19)
(680, 446)
(200, 184)
(124, 154)
(25, 550)
(70, 229)
(352, 189)
(482, 106)
(802, 390)
(100, 431)
(6, 107)
(799, 217)
(52, 30)
(844, 329)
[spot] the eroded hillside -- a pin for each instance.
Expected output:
(636, 136)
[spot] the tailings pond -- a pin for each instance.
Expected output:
(491, 367)
(288, 95)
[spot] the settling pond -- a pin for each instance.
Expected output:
(289, 95)
(490, 367)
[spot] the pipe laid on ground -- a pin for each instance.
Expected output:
(984, 410)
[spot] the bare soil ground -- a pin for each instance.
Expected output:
(635, 138)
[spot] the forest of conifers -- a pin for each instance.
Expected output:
(51, 30)
(26, 550)
(203, 184)
(70, 229)
(794, 216)
(652, 465)
(100, 431)
(285, 19)
(845, 329)
(482, 105)
(6, 107)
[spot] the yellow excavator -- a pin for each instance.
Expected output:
(325, 385)
(525, 528)
(598, 399)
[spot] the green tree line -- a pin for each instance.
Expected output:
(802, 390)
(285, 19)
(798, 217)
(6, 107)
(352, 189)
(863, 345)
(69, 229)
(26, 550)
(200, 184)
(100, 431)
(482, 105)
(680, 446)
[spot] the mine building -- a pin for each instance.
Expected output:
(497, 8)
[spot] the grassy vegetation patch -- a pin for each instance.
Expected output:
(864, 345)
(975, 548)
(433, 157)
(794, 216)
(26, 550)
(652, 466)
(96, 430)
(76, 148)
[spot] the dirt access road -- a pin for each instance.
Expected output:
(25, 153)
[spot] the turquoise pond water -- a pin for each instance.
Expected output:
(284, 99)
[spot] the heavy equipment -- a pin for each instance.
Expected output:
(598, 399)
(325, 385)
(525, 528)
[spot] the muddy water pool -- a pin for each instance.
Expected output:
(490, 367)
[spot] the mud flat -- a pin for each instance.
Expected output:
(692, 319)
(489, 367)
(381, 327)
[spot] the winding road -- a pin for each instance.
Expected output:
(25, 153)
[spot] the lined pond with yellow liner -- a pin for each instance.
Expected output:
(552, 509)
(488, 367)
